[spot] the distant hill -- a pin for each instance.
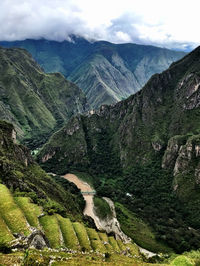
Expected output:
(106, 72)
(35, 102)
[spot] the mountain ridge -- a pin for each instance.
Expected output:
(122, 69)
(36, 102)
(127, 145)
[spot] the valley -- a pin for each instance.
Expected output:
(131, 192)
(106, 72)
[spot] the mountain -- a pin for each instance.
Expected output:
(41, 211)
(143, 152)
(37, 103)
(106, 72)
(41, 219)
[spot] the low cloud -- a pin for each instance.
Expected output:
(108, 20)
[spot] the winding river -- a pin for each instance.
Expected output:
(108, 225)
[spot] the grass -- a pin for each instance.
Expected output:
(133, 249)
(82, 236)
(51, 229)
(121, 245)
(5, 234)
(182, 261)
(11, 213)
(30, 210)
(102, 208)
(96, 243)
(114, 243)
(44, 258)
(104, 238)
(69, 236)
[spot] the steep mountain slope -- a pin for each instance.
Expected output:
(128, 146)
(106, 72)
(24, 177)
(37, 211)
(31, 218)
(35, 102)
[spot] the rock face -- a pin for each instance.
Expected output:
(106, 72)
(111, 225)
(35, 102)
(36, 239)
(183, 157)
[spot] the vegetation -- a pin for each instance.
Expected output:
(95, 241)
(68, 233)
(29, 99)
(143, 153)
(61, 232)
(82, 236)
(11, 214)
(102, 208)
(30, 210)
(106, 72)
(52, 230)
(136, 228)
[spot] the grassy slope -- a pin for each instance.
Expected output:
(61, 232)
(102, 208)
(30, 210)
(95, 241)
(11, 214)
(88, 239)
(52, 230)
(69, 235)
(138, 230)
(82, 236)
(5, 234)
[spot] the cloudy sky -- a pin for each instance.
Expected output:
(171, 23)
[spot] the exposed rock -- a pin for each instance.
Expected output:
(48, 156)
(112, 225)
(14, 135)
(36, 239)
(156, 146)
(171, 153)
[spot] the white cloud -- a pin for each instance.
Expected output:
(172, 23)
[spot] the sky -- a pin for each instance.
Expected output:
(165, 23)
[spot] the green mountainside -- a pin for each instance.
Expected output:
(106, 72)
(35, 102)
(143, 152)
(42, 212)
(36, 212)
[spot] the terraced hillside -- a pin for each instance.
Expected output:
(19, 215)
(71, 243)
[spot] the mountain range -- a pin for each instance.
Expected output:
(106, 72)
(35, 102)
(141, 154)
(146, 146)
